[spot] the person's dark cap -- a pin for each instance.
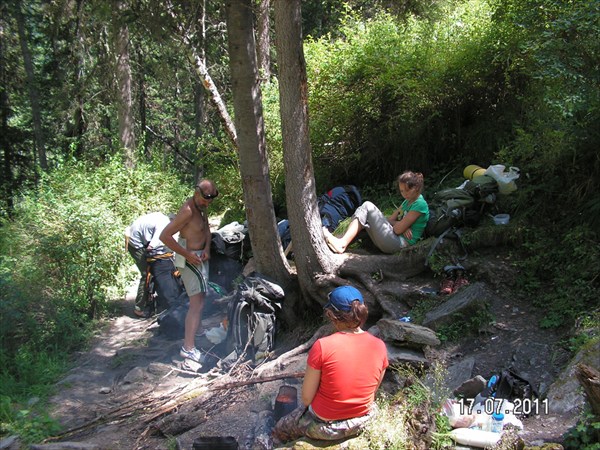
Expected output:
(341, 298)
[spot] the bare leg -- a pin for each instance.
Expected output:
(193, 320)
(339, 245)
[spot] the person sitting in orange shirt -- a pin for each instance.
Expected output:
(343, 372)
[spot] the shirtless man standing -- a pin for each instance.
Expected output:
(194, 245)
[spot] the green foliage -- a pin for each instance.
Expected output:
(62, 258)
(405, 92)
(585, 435)
(29, 424)
(560, 273)
(462, 326)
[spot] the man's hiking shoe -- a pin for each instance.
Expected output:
(193, 354)
(141, 313)
(447, 286)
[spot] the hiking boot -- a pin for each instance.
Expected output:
(447, 286)
(193, 354)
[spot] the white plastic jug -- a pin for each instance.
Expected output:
(506, 180)
(475, 438)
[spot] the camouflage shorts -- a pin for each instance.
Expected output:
(303, 422)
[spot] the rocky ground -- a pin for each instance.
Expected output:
(119, 391)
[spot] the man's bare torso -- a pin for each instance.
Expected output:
(194, 231)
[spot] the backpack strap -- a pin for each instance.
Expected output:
(457, 233)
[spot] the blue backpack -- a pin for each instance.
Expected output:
(337, 204)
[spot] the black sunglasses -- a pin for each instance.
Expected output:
(207, 196)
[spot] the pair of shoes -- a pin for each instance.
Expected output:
(454, 280)
(193, 354)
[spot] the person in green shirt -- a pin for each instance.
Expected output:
(402, 228)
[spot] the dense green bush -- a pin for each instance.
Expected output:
(62, 257)
(412, 94)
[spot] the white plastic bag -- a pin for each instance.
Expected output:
(457, 420)
(506, 180)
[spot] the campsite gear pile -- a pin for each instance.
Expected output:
(480, 418)
(450, 210)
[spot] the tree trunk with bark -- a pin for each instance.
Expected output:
(263, 49)
(313, 258)
(123, 75)
(8, 181)
(34, 96)
(589, 378)
(254, 168)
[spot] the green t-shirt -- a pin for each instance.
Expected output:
(417, 228)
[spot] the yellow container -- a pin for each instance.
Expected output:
(473, 171)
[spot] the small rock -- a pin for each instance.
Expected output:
(471, 388)
(10, 443)
(159, 369)
(105, 390)
(135, 375)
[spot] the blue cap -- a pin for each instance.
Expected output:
(341, 298)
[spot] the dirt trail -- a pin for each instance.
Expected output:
(131, 368)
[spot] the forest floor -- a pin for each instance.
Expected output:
(116, 391)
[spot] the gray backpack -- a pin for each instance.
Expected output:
(252, 315)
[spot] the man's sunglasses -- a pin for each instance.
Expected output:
(207, 196)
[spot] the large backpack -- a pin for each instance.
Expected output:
(337, 204)
(452, 209)
(252, 317)
(458, 207)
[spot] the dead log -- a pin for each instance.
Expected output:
(177, 424)
(589, 378)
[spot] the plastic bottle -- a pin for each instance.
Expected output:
(497, 422)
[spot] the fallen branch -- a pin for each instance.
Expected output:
(263, 379)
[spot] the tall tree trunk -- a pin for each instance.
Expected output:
(200, 116)
(263, 51)
(142, 102)
(123, 72)
(312, 256)
(78, 117)
(7, 177)
(254, 168)
(34, 97)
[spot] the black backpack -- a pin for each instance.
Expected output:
(252, 316)
(508, 384)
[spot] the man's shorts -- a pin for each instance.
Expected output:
(195, 278)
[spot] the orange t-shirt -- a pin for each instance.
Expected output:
(351, 366)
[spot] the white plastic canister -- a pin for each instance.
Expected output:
(476, 438)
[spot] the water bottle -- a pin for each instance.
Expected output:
(497, 422)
